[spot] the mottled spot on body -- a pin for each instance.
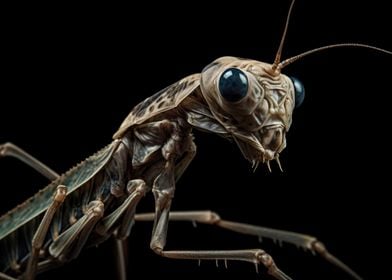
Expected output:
(160, 105)
(160, 98)
(165, 99)
(140, 113)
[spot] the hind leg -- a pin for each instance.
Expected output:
(11, 150)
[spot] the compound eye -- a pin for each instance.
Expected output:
(233, 85)
(299, 92)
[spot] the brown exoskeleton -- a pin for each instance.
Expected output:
(245, 100)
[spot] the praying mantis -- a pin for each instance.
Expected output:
(218, 75)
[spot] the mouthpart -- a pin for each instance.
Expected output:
(272, 139)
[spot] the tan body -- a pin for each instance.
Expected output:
(150, 152)
(154, 145)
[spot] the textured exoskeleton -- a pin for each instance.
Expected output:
(248, 101)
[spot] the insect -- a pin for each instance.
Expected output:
(235, 98)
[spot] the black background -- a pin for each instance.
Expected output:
(71, 74)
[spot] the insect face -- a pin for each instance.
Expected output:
(253, 103)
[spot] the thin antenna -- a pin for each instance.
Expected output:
(279, 53)
(343, 45)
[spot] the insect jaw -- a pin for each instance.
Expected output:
(266, 161)
(272, 141)
(263, 145)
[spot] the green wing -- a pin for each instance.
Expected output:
(73, 179)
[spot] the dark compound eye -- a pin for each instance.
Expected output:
(299, 92)
(233, 85)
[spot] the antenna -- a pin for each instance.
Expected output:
(279, 52)
(343, 45)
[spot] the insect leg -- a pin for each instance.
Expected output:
(256, 256)
(163, 190)
(121, 252)
(123, 215)
(40, 234)
(301, 240)
(136, 190)
(69, 244)
(9, 149)
(48, 264)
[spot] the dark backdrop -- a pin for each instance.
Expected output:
(71, 74)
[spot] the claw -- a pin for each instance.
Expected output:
(255, 165)
(269, 166)
(319, 248)
(278, 162)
